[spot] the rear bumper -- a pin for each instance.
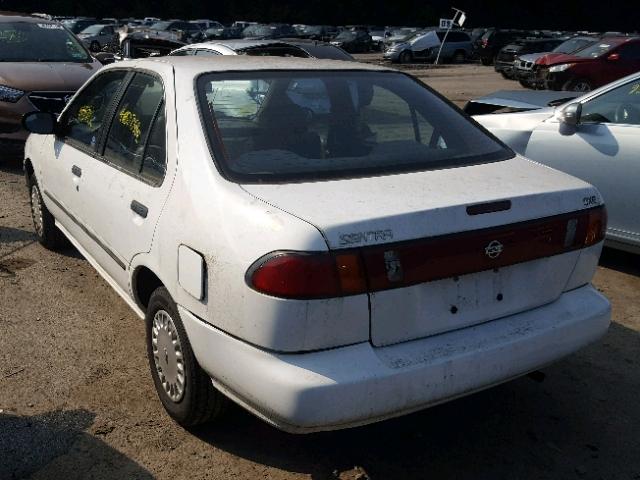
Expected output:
(360, 384)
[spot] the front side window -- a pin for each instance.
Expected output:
(294, 126)
(620, 105)
(136, 113)
(84, 118)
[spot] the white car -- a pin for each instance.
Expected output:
(321, 270)
(596, 138)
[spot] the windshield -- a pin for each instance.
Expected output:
(312, 125)
(572, 45)
(313, 29)
(93, 29)
(39, 42)
(595, 50)
(413, 36)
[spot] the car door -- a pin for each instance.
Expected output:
(130, 180)
(73, 149)
(603, 151)
(621, 62)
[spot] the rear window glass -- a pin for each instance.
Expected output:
(595, 50)
(280, 126)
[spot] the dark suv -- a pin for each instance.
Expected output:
(507, 55)
(603, 62)
(487, 47)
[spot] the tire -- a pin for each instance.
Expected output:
(578, 85)
(526, 85)
(485, 61)
(406, 57)
(504, 75)
(95, 46)
(459, 57)
(197, 401)
(44, 225)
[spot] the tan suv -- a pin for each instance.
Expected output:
(42, 64)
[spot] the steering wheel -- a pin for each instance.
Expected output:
(627, 113)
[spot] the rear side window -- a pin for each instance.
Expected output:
(84, 117)
(134, 116)
(293, 126)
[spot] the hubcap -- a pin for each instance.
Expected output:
(167, 355)
(36, 210)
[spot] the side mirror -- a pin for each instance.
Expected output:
(613, 57)
(570, 115)
(105, 58)
(43, 123)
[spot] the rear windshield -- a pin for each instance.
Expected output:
(312, 125)
(39, 42)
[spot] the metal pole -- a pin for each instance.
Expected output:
(453, 21)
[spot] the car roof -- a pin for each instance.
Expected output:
(7, 17)
(194, 65)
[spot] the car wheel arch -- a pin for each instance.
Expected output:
(144, 281)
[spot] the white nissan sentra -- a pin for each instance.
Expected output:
(326, 243)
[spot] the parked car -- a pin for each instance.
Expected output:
(175, 30)
(268, 31)
(595, 137)
(41, 66)
(358, 41)
(98, 36)
(505, 61)
(526, 66)
(76, 25)
(487, 47)
(324, 271)
(424, 46)
(603, 62)
(323, 33)
(294, 47)
(205, 24)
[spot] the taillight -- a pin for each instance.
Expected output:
(299, 275)
(596, 226)
(485, 42)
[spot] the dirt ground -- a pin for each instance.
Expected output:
(76, 399)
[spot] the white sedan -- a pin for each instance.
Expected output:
(323, 270)
(595, 137)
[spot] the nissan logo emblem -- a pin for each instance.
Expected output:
(494, 249)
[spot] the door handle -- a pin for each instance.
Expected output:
(77, 171)
(139, 208)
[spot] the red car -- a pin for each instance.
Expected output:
(603, 62)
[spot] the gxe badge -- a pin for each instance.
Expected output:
(494, 249)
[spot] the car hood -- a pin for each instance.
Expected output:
(43, 76)
(518, 100)
(531, 57)
(566, 58)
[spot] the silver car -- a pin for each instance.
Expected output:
(595, 137)
(96, 37)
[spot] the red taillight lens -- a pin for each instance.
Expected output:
(485, 42)
(308, 275)
(299, 275)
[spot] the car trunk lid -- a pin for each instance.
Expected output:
(448, 248)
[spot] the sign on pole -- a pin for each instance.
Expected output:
(446, 23)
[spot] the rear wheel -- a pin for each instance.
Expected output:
(185, 390)
(44, 225)
(578, 85)
(406, 57)
(485, 61)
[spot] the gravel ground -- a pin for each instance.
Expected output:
(76, 399)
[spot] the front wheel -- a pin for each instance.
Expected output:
(44, 225)
(579, 85)
(406, 57)
(185, 390)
